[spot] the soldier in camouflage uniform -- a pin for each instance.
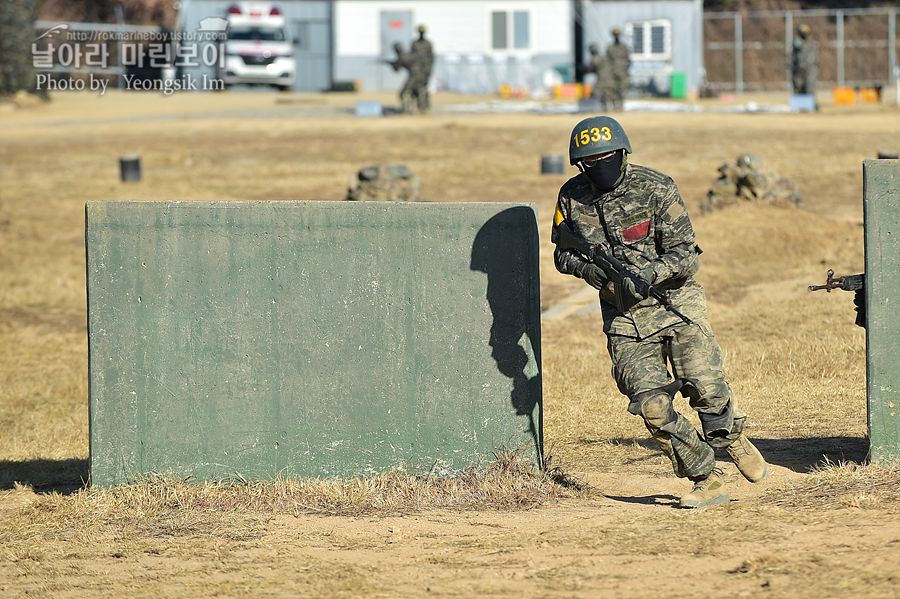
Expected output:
(384, 183)
(405, 60)
(747, 179)
(603, 87)
(414, 93)
(424, 56)
(619, 60)
(804, 62)
(639, 215)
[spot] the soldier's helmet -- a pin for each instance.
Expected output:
(803, 30)
(616, 31)
(749, 161)
(597, 135)
(398, 47)
(594, 48)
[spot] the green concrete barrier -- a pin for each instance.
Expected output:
(310, 339)
(881, 197)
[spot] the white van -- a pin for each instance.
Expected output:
(258, 48)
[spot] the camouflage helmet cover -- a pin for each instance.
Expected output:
(597, 135)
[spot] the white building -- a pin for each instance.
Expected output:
(665, 37)
(480, 44)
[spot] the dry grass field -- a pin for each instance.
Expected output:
(822, 524)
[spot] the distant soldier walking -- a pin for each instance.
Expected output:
(423, 55)
(619, 58)
(603, 87)
(804, 62)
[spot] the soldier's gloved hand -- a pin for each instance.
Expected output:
(593, 275)
(642, 293)
(859, 300)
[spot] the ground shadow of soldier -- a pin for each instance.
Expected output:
(64, 476)
(513, 294)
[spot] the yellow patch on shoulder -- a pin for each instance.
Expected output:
(675, 210)
(558, 216)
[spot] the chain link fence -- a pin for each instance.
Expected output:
(751, 51)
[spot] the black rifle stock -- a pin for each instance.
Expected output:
(615, 271)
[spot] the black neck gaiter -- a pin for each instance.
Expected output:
(606, 174)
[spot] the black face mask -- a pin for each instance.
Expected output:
(606, 173)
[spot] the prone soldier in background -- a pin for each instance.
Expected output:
(637, 215)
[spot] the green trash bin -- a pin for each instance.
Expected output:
(565, 71)
(678, 89)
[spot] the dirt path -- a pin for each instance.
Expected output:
(628, 540)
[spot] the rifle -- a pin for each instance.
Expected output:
(615, 271)
(847, 282)
(387, 61)
(855, 283)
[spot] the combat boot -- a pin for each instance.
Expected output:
(706, 491)
(748, 459)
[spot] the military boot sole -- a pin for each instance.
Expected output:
(695, 503)
(758, 478)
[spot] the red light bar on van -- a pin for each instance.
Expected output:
(234, 9)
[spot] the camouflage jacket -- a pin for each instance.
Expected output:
(599, 65)
(418, 72)
(805, 55)
(644, 223)
(421, 49)
(619, 59)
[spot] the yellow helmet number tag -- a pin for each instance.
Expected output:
(594, 134)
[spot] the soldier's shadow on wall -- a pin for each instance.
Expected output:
(501, 250)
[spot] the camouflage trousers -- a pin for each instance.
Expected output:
(688, 359)
(617, 92)
(414, 94)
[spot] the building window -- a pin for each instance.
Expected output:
(498, 29)
(504, 23)
(650, 40)
(520, 30)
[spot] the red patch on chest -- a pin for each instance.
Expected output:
(637, 232)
